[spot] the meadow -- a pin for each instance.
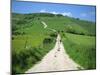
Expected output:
(81, 49)
(31, 42)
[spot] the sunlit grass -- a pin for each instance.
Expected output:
(82, 49)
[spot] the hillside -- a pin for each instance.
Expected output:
(30, 40)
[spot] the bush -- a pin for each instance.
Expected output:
(53, 35)
(59, 15)
(77, 19)
(76, 32)
(21, 60)
(47, 40)
(18, 33)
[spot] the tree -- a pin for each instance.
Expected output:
(77, 19)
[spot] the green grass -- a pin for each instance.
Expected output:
(28, 48)
(30, 40)
(89, 26)
(26, 58)
(81, 49)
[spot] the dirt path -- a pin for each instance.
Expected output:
(56, 60)
(45, 25)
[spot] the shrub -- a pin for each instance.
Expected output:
(18, 33)
(47, 40)
(53, 35)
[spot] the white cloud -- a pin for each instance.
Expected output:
(67, 14)
(64, 13)
(43, 10)
(53, 12)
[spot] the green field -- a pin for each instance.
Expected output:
(30, 41)
(81, 49)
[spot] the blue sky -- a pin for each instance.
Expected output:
(77, 11)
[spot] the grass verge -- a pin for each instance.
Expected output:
(81, 49)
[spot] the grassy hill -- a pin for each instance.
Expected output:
(30, 41)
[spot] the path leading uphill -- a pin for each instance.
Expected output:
(45, 25)
(56, 60)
